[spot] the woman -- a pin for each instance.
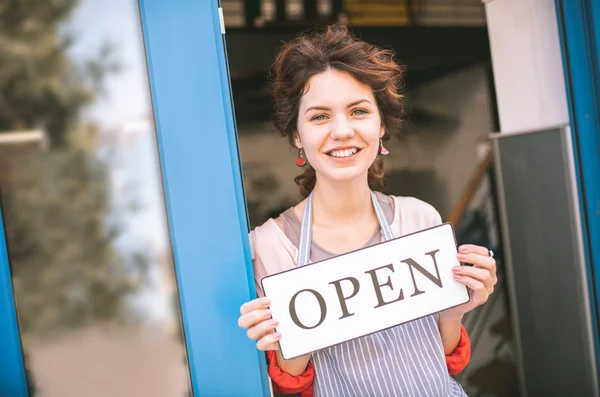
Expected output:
(336, 99)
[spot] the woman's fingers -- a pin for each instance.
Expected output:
(473, 249)
(261, 329)
(478, 260)
(256, 318)
(268, 342)
(480, 294)
(260, 303)
(472, 283)
(254, 312)
(479, 257)
(482, 275)
(253, 318)
(479, 278)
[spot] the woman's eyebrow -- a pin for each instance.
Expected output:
(326, 108)
(358, 102)
(316, 108)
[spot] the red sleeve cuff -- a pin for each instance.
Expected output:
(460, 357)
(284, 383)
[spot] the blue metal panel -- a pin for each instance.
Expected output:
(12, 373)
(579, 23)
(203, 191)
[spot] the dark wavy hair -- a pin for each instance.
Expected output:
(336, 47)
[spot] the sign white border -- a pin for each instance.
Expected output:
(433, 249)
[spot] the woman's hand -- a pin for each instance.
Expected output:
(256, 319)
(479, 278)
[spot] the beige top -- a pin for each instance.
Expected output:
(292, 228)
(273, 252)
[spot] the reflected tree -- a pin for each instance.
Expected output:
(39, 84)
(66, 271)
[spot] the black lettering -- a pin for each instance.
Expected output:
(413, 264)
(321, 305)
(342, 298)
(377, 286)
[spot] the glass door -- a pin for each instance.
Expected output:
(123, 248)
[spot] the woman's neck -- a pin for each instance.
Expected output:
(339, 204)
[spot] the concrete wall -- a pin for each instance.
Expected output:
(451, 150)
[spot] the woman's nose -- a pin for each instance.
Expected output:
(342, 129)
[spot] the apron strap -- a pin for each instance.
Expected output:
(305, 233)
(306, 228)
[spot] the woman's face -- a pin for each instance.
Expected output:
(339, 126)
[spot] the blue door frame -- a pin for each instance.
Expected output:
(206, 209)
(204, 196)
(12, 370)
(579, 27)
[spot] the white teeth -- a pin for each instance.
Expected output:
(343, 153)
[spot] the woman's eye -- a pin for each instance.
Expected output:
(318, 117)
(359, 112)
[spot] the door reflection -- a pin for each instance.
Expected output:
(82, 199)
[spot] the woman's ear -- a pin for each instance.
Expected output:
(297, 140)
(381, 131)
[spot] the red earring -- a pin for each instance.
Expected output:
(301, 162)
(382, 150)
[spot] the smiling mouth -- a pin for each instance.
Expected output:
(343, 153)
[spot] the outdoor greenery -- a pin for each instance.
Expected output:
(55, 201)
(40, 86)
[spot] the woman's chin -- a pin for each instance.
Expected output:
(342, 176)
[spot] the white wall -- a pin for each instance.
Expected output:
(528, 70)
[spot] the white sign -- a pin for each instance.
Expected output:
(365, 291)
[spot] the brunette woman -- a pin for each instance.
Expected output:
(337, 100)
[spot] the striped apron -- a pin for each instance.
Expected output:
(406, 360)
